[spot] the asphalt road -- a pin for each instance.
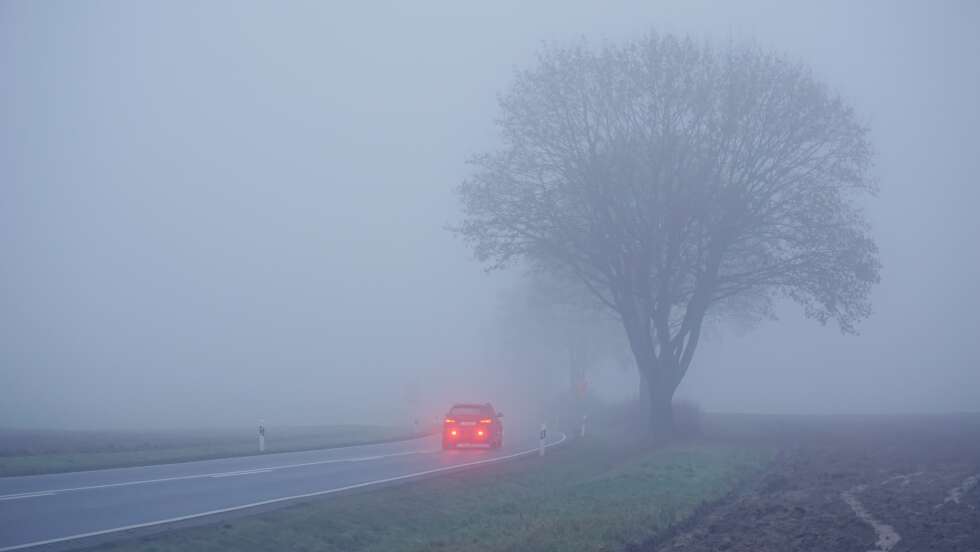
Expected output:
(55, 508)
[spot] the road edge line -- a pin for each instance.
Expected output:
(178, 519)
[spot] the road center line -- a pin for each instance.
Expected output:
(246, 472)
(48, 492)
(286, 498)
(27, 495)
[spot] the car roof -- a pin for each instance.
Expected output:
(472, 405)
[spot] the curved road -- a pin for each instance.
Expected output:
(45, 509)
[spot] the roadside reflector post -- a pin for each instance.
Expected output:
(416, 426)
(261, 437)
(544, 435)
(585, 418)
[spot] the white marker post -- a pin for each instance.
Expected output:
(544, 435)
(584, 419)
(261, 437)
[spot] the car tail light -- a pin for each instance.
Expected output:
(452, 432)
(486, 421)
(479, 433)
(450, 421)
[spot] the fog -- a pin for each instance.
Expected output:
(215, 213)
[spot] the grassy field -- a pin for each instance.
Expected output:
(26, 452)
(584, 496)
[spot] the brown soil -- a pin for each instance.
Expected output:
(892, 484)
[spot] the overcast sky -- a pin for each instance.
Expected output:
(223, 211)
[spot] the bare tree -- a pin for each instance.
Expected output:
(678, 180)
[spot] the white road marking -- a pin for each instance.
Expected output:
(956, 493)
(282, 499)
(888, 537)
(246, 472)
(48, 492)
(26, 495)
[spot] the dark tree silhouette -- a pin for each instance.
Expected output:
(676, 181)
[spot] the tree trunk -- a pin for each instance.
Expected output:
(661, 413)
(654, 376)
(644, 395)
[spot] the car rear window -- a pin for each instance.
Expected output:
(467, 411)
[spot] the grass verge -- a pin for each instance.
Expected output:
(586, 496)
(124, 449)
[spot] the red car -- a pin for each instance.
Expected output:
(475, 424)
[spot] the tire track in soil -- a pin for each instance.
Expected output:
(850, 486)
(956, 493)
(887, 536)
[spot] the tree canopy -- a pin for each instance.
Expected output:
(678, 180)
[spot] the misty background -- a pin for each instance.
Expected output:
(220, 212)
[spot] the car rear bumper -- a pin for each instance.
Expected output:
(468, 435)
